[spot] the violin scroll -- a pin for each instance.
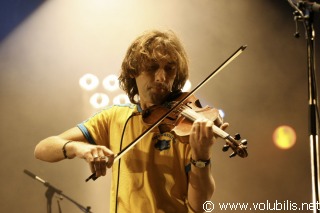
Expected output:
(239, 149)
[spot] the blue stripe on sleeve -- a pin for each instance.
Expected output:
(86, 133)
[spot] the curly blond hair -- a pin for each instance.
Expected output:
(150, 46)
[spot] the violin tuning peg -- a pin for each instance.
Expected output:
(232, 155)
(237, 136)
(225, 148)
(244, 142)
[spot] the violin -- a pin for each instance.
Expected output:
(179, 112)
(180, 120)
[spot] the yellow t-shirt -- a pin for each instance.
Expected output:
(153, 174)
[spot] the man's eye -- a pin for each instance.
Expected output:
(170, 68)
(153, 67)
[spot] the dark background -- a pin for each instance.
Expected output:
(46, 46)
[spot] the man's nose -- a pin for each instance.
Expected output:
(160, 75)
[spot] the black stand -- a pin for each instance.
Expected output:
(304, 12)
(50, 192)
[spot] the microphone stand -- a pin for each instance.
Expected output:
(304, 12)
(50, 192)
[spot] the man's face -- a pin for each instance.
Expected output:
(155, 81)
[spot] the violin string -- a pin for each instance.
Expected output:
(192, 115)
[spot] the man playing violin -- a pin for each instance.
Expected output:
(159, 174)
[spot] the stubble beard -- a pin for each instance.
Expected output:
(159, 95)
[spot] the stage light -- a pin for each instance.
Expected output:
(111, 83)
(284, 137)
(89, 81)
(99, 100)
(121, 99)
